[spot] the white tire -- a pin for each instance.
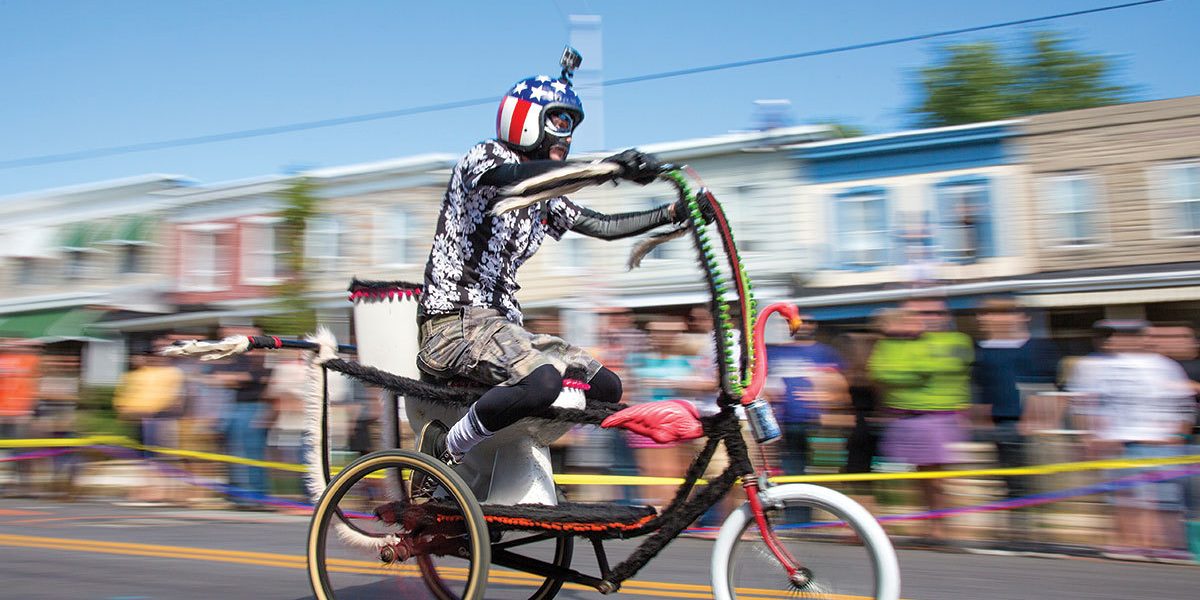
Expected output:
(884, 567)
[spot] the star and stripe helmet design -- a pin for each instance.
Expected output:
(536, 109)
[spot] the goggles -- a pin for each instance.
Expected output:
(560, 123)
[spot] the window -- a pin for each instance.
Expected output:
(574, 256)
(1072, 207)
(261, 263)
(30, 250)
(76, 265)
(202, 266)
(1181, 193)
(133, 259)
(27, 270)
(964, 224)
(393, 238)
(755, 217)
(862, 239)
(325, 244)
(79, 242)
(132, 239)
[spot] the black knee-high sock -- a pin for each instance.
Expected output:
(500, 407)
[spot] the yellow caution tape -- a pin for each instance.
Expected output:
(212, 457)
(637, 480)
(569, 479)
(124, 442)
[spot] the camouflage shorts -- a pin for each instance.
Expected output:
(484, 346)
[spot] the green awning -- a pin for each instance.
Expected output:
(83, 236)
(50, 325)
(134, 230)
(29, 325)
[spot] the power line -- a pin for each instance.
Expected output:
(865, 45)
(92, 153)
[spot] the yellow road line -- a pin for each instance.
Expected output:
(134, 550)
(339, 565)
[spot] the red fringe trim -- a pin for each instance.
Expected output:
(555, 525)
(383, 294)
(576, 384)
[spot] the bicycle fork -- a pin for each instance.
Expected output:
(799, 575)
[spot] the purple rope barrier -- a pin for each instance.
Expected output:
(36, 454)
(1128, 482)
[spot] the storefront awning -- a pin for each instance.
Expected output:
(84, 236)
(50, 326)
(135, 229)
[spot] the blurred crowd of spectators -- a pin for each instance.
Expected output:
(904, 392)
(909, 392)
(247, 406)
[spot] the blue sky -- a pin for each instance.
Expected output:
(84, 74)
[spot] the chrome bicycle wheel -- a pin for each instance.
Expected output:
(841, 549)
(368, 538)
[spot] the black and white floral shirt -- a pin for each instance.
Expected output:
(475, 255)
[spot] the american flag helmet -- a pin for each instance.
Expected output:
(521, 121)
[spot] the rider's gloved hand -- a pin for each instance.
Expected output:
(637, 166)
(705, 201)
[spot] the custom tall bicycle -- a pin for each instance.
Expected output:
(369, 538)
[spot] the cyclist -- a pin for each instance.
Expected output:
(470, 323)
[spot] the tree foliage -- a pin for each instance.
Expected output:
(295, 315)
(974, 82)
(839, 129)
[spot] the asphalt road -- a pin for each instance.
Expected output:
(101, 551)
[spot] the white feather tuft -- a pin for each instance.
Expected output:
(314, 406)
(361, 540)
(206, 350)
(327, 342)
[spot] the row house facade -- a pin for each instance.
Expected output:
(942, 208)
(1116, 212)
(72, 256)
(1082, 215)
(65, 247)
(227, 257)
